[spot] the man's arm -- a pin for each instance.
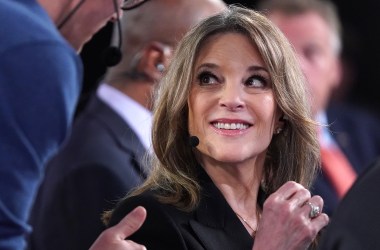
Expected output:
(39, 87)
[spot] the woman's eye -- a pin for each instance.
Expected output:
(257, 82)
(207, 78)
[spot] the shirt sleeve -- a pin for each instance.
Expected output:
(39, 88)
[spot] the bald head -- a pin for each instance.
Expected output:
(163, 21)
(166, 20)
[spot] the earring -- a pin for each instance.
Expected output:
(278, 130)
(160, 67)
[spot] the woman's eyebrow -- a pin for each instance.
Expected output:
(257, 68)
(207, 65)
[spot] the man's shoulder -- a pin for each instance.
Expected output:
(26, 22)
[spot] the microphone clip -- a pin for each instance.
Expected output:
(193, 141)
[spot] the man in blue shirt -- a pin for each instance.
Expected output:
(40, 81)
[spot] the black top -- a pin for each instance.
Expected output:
(212, 225)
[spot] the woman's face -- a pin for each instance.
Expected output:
(232, 109)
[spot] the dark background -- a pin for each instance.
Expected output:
(361, 54)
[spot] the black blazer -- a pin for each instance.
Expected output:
(358, 135)
(98, 165)
(213, 225)
(356, 223)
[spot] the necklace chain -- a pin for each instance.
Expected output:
(246, 222)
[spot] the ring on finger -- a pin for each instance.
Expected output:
(314, 210)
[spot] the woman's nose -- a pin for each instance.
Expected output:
(232, 97)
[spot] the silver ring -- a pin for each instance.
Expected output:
(314, 211)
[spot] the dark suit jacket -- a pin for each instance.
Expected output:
(97, 166)
(356, 222)
(358, 135)
(213, 225)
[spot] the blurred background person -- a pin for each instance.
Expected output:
(351, 138)
(102, 159)
(356, 222)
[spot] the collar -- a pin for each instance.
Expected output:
(117, 129)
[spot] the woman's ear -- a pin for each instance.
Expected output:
(281, 123)
(154, 60)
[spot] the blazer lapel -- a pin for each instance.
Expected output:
(215, 223)
(123, 134)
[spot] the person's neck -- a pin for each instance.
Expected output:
(239, 186)
(73, 35)
(140, 92)
(240, 189)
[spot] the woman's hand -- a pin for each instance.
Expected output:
(287, 220)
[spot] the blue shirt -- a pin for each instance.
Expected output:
(40, 81)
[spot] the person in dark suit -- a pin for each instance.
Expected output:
(355, 224)
(103, 158)
(357, 134)
(87, 163)
(241, 184)
(350, 135)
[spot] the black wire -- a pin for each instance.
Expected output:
(71, 13)
(118, 21)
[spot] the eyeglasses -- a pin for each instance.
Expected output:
(132, 4)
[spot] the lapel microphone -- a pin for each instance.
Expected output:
(193, 141)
